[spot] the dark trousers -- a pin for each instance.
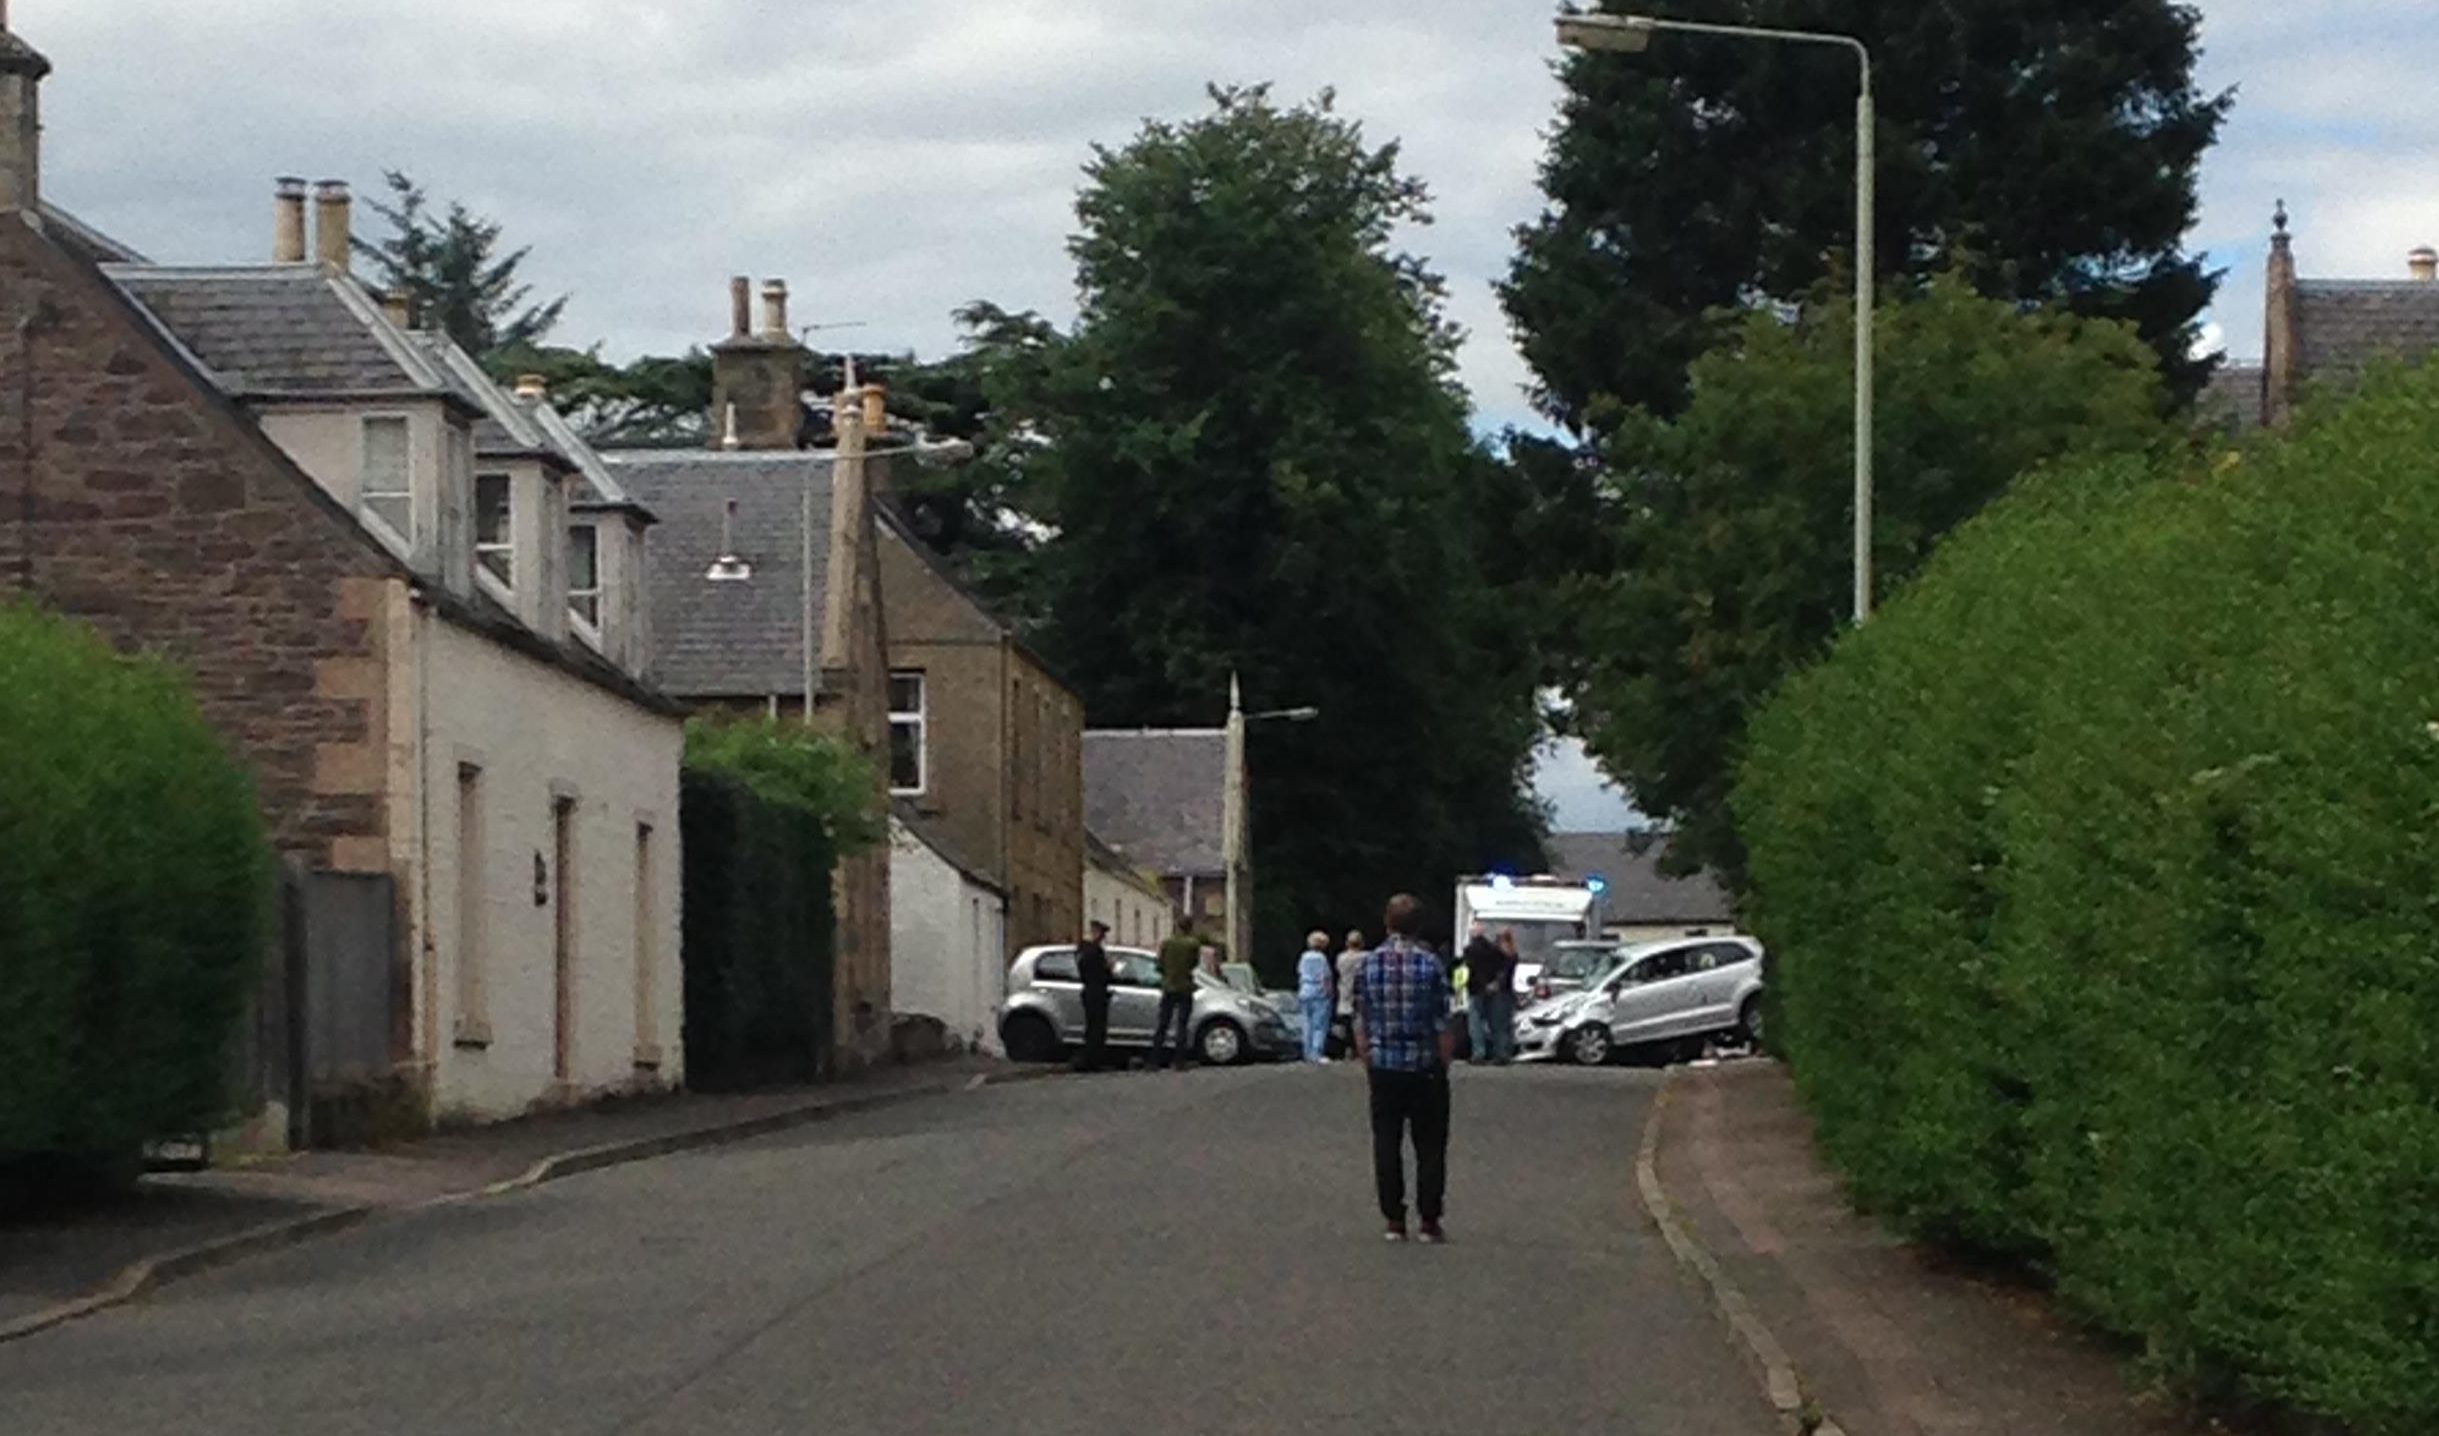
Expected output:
(1096, 1030)
(1177, 1008)
(1417, 1100)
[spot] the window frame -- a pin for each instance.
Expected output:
(504, 547)
(579, 598)
(919, 719)
(368, 499)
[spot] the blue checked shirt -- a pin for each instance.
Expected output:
(1401, 997)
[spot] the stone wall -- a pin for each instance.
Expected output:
(163, 517)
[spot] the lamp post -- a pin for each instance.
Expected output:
(1232, 808)
(1631, 34)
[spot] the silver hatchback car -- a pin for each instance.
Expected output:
(1043, 1013)
(1680, 991)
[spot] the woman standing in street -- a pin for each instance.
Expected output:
(1350, 962)
(1313, 994)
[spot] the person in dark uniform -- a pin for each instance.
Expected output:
(1092, 969)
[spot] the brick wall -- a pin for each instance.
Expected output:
(163, 518)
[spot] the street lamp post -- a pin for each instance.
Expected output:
(1631, 34)
(1232, 808)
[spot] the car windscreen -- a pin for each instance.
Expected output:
(1577, 964)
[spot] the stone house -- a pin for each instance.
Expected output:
(1130, 900)
(254, 471)
(1158, 796)
(2324, 333)
(947, 931)
(763, 580)
(986, 743)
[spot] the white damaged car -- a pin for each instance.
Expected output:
(1684, 990)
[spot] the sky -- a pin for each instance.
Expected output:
(895, 160)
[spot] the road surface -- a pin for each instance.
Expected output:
(1132, 1253)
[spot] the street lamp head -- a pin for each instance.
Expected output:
(1618, 34)
(1301, 715)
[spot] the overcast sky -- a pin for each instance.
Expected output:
(893, 160)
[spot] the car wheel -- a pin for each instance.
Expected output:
(1221, 1043)
(1749, 1022)
(1589, 1046)
(1030, 1039)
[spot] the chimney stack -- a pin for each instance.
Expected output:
(876, 408)
(288, 220)
(775, 311)
(2423, 264)
(2280, 381)
(757, 377)
(21, 70)
(330, 224)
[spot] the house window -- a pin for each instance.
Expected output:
(584, 574)
(473, 1027)
(383, 475)
(494, 540)
(907, 753)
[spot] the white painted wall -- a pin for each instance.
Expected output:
(1137, 915)
(537, 732)
(946, 940)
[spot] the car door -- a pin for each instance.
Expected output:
(1731, 968)
(1656, 999)
(1054, 977)
(1134, 996)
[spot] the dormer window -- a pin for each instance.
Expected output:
(494, 536)
(383, 479)
(584, 575)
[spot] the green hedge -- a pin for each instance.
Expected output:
(766, 810)
(135, 899)
(2102, 870)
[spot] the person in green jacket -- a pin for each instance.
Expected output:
(1179, 956)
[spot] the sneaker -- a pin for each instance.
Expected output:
(1395, 1233)
(1433, 1236)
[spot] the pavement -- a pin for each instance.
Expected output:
(1157, 1252)
(1886, 1338)
(58, 1264)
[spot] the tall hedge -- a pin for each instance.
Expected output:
(2103, 873)
(767, 810)
(135, 899)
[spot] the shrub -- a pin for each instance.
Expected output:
(767, 809)
(135, 890)
(2099, 870)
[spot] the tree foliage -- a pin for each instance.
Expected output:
(1250, 455)
(1733, 519)
(802, 769)
(449, 268)
(2056, 142)
(2097, 869)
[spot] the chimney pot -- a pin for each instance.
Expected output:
(532, 388)
(876, 408)
(288, 220)
(396, 308)
(2423, 264)
(740, 307)
(331, 205)
(774, 309)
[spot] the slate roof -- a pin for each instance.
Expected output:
(504, 428)
(19, 58)
(2344, 325)
(1638, 891)
(929, 833)
(88, 241)
(733, 639)
(598, 487)
(282, 331)
(1156, 795)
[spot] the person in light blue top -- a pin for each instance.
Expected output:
(1313, 995)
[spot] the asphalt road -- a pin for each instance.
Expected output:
(1141, 1253)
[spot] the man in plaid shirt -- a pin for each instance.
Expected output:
(1403, 1038)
